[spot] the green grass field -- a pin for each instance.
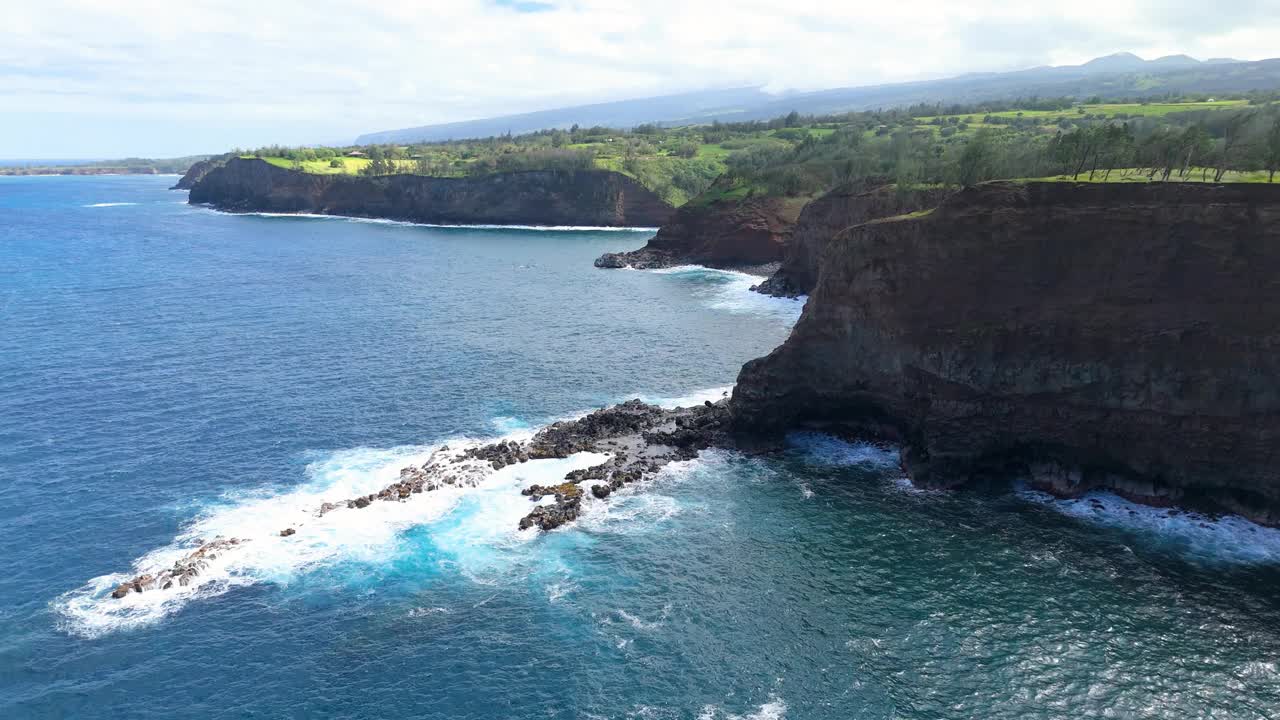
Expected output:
(680, 165)
(1110, 110)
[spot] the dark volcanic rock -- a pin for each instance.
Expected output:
(1115, 336)
(183, 570)
(586, 197)
(735, 233)
(639, 438)
(828, 216)
(197, 171)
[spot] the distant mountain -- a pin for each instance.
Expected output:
(1118, 75)
(622, 113)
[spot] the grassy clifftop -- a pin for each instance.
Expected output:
(1219, 139)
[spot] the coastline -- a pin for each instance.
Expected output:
(412, 223)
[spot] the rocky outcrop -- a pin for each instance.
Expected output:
(640, 439)
(1079, 335)
(734, 233)
(183, 572)
(824, 218)
(197, 171)
(586, 197)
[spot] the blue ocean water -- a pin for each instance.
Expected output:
(168, 373)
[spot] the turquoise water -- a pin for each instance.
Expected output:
(169, 373)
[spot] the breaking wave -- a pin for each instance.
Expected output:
(731, 290)
(1228, 539)
(822, 450)
(775, 709)
(487, 522)
(477, 527)
(458, 226)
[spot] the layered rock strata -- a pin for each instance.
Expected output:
(1079, 335)
(582, 198)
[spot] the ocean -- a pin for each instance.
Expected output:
(170, 374)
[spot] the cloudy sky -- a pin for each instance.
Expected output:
(87, 78)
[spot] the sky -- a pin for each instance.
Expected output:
(161, 78)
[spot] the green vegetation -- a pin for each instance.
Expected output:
(1175, 139)
(677, 163)
(137, 166)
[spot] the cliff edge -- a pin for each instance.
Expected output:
(829, 215)
(585, 197)
(196, 172)
(1077, 335)
(736, 233)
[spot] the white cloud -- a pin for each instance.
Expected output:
(160, 76)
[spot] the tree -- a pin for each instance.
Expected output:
(977, 160)
(1272, 157)
(1232, 139)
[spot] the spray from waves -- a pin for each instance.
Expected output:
(646, 625)
(822, 450)
(1230, 539)
(476, 537)
(731, 290)
(110, 204)
(447, 226)
(714, 394)
(775, 709)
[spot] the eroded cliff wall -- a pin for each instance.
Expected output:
(728, 233)
(829, 215)
(593, 197)
(1080, 335)
(196, 172)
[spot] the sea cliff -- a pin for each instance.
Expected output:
(824, 218)
(196, 172)
(1077, 335)
(734, 233)
(588, 197)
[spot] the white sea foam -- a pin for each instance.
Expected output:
(407, 223)
(476, 539)
(730, 290)
(1230, 539)
(775, 709)
(697, 397)
(110, 204)
(646, 625)
(476, 527)
(423, 612)
(825, 450)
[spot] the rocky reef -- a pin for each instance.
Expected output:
(824, 218)
(1077, 335)
(732, 233)
(183, 571)
(640, 439)
(584, 197)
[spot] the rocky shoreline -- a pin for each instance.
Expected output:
(640, 439)
(744, 234)
(1080, 337)
(1083, 336)
(538, 197)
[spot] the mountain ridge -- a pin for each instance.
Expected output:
(1118, 74)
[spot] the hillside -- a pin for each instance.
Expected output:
(1120, 75)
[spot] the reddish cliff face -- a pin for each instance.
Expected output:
(594, 197)
(1116, 336)
(738, 233)
(828, 216)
